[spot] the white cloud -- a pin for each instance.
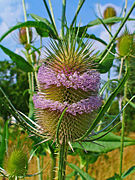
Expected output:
(11, 12)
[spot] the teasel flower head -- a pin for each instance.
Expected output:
(109, 12)
(126, 44)
(16, 163)
(68, 81)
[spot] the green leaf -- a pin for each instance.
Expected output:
(105, 144)
(82, 32)
(40, 19)
(42, 32)
(128, 172)
(92, 36)
(115, 177)
(59, 123)
(25, 121)
(131, 103)
(3, 145)
(106, 85)
(50, 14)
(83, 174)
(106, 21)
(21, 63)
(81, 2)
(40, 25)
(106, 105)
(107, 61)
(69, 176)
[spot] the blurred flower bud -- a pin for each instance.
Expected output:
(108, 13)
(23, 35)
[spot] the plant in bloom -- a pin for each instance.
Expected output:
(67, 79)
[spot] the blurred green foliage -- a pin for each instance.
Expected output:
(14, 82)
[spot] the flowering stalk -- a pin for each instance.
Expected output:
(126, 49)
(68, 83)
(62, 161)
(53, 165)
(30, 59)
(123, 123)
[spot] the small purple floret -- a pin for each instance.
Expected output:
(84, 106)
(89, 80)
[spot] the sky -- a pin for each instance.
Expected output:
(11, 12)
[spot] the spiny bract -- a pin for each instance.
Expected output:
(17, 163)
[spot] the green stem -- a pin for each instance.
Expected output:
(77, 12)
(87, 166)
(125, 8)
(62, 161)
(123, 123)
(121, 66)
(50, 16)
(108, 78)
(63, 17)
(25, 17)
(31, 90)
(53, 166)
(30, 74)
(39, 168)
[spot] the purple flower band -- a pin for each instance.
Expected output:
(83, 106)
(89, 80)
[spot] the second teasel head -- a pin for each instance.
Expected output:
(126, 44)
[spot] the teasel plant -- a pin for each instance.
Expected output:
(67, 98)
(125, 46)
(68, 103)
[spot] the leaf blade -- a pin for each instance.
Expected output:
(41, 25)
(105, 144)
(19, 60)
(81, 172)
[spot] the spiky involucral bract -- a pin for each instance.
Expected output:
(126, 44)
(67, 80)
(17, 163)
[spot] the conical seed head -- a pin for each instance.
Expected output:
(67, 80)
(125, 44)
(108, 13)
(17, 163)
